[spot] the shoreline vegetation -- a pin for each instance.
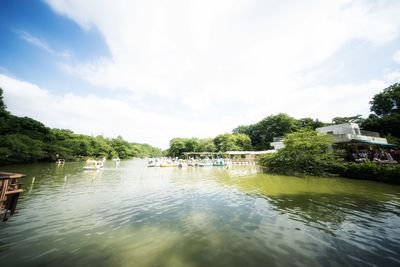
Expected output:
(24, 140)
(307, 152)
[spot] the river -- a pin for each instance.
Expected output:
(132, 215)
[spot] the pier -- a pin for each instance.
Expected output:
(10, 189)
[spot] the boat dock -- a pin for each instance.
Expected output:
(10, 189)
(202, 159)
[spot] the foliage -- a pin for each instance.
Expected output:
(18, 148)
(223, 142)
(24, 140)
(309, 123)
(305, 151)
(367, 171)
(206, 145)
(232, 142)
(177, 146)
(2, 105)
(263, 132)
(355, 119)
(387, 102)
(386, 113)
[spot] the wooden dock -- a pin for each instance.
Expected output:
(10, 189)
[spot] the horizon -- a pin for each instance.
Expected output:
(154, 71)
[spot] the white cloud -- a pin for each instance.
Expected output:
(223, 63)
(41, 43)
(396, 56)
(203, 53)
(34, 40)
(392, 76)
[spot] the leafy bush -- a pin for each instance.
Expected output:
(369, 171)
(305, 151)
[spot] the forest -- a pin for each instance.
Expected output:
(25, 140)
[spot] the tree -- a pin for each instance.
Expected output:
(177, 146)
(206, 145)
(232, 142)
(355, 119)
(3, 106)
(18, 148)
(309, 123)
(272, 126)
(305, 151)
(387, 102)
(385, 118)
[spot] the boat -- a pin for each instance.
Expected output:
(219, 162)
(192, 162)
(93, 164)
(169, 163)
(60, 161)
(153, 163)
(182, 163)
(205, 163)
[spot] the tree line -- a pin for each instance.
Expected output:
(25, 140)
(384, 118)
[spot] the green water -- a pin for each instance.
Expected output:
(131, 215)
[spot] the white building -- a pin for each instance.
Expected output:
(350, 132)
(343, 133)
(277, 143)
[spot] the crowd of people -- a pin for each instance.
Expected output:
(391, 156)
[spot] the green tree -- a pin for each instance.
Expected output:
(309, 123)
(355, 119)
(3, 106)
(270, 127)
(17, 148)
(386, 114)
(387, 102)
(206, 145)
(229, 142)
(177, 146)
(305, 151)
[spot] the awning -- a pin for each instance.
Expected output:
(372, 143)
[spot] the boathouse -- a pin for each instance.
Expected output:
(10, 189)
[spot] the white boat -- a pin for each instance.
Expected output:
(205, 163)
(93, 164)
(153, 163)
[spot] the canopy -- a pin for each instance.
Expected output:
(372, 143)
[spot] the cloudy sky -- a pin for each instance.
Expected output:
(153, 70)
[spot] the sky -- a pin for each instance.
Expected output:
(153, 70)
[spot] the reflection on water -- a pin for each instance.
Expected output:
(131, 215)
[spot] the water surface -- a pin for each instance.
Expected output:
(131, 215)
